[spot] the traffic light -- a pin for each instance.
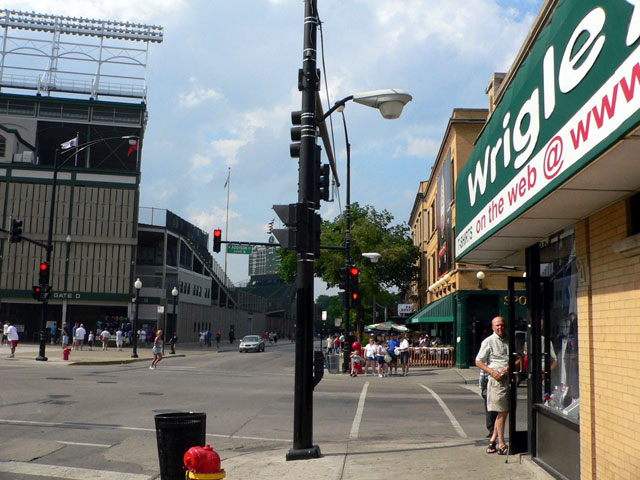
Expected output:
(344, 298)
(296, 134)
(288, 237)
(15, 234)
(37, 292)
(320, 179)
(343, 275)
(217, 240)
(44, 273)
(46, 292)
(354, 278)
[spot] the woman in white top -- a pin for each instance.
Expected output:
(370, 356)
(380, 353)
(404, 354)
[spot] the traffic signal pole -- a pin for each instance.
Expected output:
(303, 447)
(43, 316)
(346, 351)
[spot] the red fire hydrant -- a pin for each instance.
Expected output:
(65, 353)
(203, 463)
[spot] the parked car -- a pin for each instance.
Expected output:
(252, 343)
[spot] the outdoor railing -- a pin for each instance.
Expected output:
(431, 356)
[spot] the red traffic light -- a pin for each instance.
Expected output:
(355, 295)
(354, 271)
(44, 266)
(217, 233)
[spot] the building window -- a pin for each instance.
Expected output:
(3, 146)
(634, 214)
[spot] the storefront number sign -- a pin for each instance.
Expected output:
(575, 95)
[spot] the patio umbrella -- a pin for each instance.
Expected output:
(388, 327)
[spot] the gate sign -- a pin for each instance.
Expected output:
(574, 96)
(405, 308)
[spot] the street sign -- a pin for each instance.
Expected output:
(338, 322)
(239, 248)
(160, 309)
(324, 315)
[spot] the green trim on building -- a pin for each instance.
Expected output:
(440, 311)
(56, 295)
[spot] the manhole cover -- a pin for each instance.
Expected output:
(59, 378)
(151, 393)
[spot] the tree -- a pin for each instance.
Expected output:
(371, 231)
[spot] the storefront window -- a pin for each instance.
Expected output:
(560, 352)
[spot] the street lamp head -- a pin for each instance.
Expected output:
(138, 284)
(390, 102)
(174, 292)
(373, 256)
(68, 239)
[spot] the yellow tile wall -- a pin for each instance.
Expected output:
(609, 342)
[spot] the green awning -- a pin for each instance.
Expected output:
(440, 311)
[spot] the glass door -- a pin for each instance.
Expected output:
(518, 381)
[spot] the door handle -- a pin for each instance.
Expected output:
(518, 356)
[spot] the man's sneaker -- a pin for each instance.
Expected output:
(151, 367)
(11, 355)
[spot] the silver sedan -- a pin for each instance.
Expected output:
(252, 343)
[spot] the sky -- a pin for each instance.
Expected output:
(223, 83)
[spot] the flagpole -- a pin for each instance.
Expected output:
(226, 226)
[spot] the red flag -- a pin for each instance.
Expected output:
(133, 148)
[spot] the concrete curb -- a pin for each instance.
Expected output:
(118, 362)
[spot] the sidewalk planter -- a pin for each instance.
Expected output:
(176, 433)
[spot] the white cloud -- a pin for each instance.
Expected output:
(228, 149)
(418, 147)
(199, 161)
(208, 220)
(197, 96)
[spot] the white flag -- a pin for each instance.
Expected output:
(70, 144)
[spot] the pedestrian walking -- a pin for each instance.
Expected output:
(3, 334)
(218, 338)
(65, 336)
(381, 353)
(370, 357)
(75, 338)
(157, 349)
(393, 344)
(91, 339)
(202, 338)
(172, 341)
(404, 354)
(208, 338)
(12, 337)
(329, 344)
(81, 333)
(119, 339)
(54, 331)
(493, 358)
(105, 336)
(232, 336)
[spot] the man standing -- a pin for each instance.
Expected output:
(493, 358)
(119, 339)
(3, 333)
(12, 337)
(392, 344)
(80, 334)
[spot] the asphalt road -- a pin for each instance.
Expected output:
(101, 417)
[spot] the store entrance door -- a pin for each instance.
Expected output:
(519, 384)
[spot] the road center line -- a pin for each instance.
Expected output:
(70, 473)
(121, 427)
(447, 412)
(85, 444)
(355, 427)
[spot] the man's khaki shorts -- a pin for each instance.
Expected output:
(498, 395)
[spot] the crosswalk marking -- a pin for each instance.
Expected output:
(452, 419)
(69, 473)
(355, 427)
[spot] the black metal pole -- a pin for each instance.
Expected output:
(134, 354)
(346, 351)
(174, 324)
(303, 447)
(43, 318)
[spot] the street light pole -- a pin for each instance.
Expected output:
(137, 285)
(174, 293)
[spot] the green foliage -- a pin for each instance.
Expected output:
(371, 231)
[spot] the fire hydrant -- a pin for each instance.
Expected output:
(203, 463)
(65, 353)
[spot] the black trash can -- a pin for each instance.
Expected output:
(176, 433)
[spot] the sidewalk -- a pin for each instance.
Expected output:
(97, 356)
